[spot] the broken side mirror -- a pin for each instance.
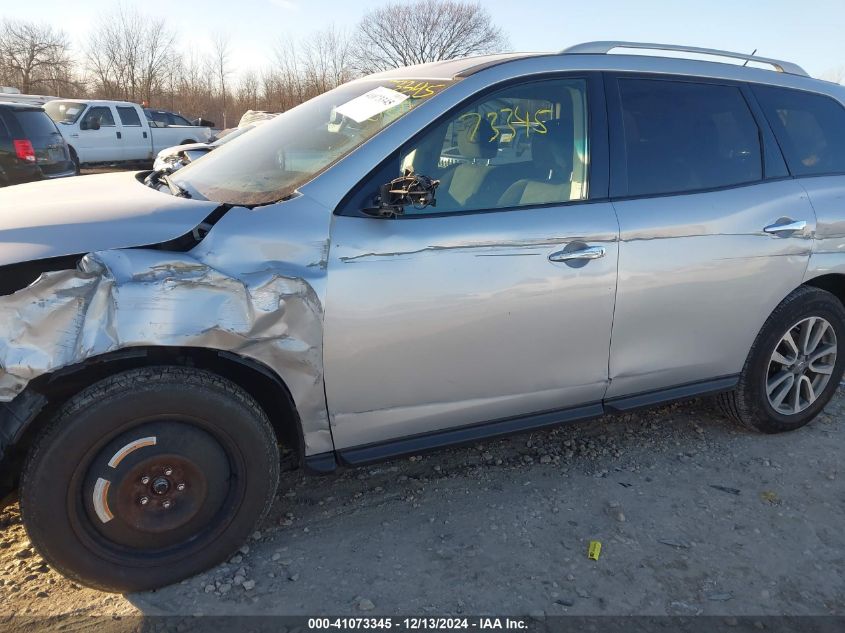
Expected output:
(409, 189)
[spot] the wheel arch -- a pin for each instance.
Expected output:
(834, 283)
(32, 410)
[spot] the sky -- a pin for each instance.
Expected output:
(808, 32)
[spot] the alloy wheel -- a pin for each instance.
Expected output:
(801, 365)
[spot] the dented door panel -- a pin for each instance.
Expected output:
(698, 276)
(438, 322)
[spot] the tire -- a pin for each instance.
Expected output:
(189, 141)
(75, 160)
(750, 403)
(191, 464)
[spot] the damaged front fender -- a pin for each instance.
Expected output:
(128, 298)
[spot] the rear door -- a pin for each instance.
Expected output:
(103, 144)
(713, 232)
(136, 138)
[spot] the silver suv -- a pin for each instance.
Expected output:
(422, 257)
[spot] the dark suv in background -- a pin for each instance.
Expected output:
(31, 147)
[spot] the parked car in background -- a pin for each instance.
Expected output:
(25, 98)
(99, 131)
(31, 147)
(165, 118)
(173, 158)
(664, 228)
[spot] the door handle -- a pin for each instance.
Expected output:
(118, 135)
(590, 252)
(785, 226)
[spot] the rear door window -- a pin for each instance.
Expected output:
(809, 127)
(35, 124)
(100, 112)
(128, 116)
(158, 117)
(683, 136)
(175, 119)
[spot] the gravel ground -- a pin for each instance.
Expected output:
(695, 515)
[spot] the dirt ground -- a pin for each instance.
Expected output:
(695, 516)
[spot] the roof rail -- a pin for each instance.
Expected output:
(601, 48)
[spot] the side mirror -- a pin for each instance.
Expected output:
(93, 124)
(411, 189)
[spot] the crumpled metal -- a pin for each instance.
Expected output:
(120, 299)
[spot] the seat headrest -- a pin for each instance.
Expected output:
(476, 141)
(552, 152)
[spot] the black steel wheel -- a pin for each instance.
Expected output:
(149, 477)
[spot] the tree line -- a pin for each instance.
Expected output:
(137, 57)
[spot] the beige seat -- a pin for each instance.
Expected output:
(551, 154)
(465, 182)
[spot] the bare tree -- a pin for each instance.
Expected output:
(286, 78)
(402, 34)
(128, 55)
(132, 55)
(220, 62)
(327, 59)
(248, 91)
(34, 57)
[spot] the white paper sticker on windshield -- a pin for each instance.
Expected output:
(371, 103)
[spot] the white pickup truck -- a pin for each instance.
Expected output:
(100, 131)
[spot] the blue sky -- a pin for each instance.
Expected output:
(809, 32)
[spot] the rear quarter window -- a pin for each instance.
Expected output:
(158, 117)
(810, 129)
(175, 119)
(35, 123)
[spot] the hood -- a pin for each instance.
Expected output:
(172, 151)
(81, 214)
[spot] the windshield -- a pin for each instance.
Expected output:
(64, 111)
(291, 149)
(231, 136)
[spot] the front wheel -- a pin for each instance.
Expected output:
(75, 160)
(149, 477)
(794, 366)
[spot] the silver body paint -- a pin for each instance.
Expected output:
(691, 264)
(827, 195)
(71, 216)
(254, 290)
(407, 326)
